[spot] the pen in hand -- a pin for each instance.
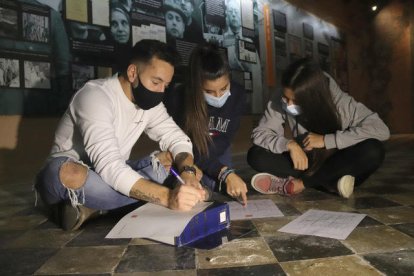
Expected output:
(209, 193)
(177, 175)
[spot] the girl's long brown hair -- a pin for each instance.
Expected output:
(206, 63)
(311, 88)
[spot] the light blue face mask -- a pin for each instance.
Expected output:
(292, 109)
(217, 102)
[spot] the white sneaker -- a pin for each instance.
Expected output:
(345, 186)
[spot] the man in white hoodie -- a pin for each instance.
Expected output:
(89, 168)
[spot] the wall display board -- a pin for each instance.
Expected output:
(49, 50)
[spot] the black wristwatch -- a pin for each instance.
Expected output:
(188, 169)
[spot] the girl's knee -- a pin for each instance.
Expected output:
(374, 152)
(253, 154)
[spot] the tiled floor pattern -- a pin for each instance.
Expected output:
(383, 243)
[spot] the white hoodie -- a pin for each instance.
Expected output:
(101, 125)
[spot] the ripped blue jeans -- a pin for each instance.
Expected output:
(95, 193)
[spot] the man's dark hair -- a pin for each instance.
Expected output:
(146, 49)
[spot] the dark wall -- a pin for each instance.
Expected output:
(380, 54)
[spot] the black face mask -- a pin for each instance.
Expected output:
(144, 98)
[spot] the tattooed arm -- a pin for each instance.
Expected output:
(182, 197)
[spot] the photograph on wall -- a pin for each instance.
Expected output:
(35, 27)
(307, 31)
(247, 18)
(148, 31)
(295, 47)
(184, 48)
(36, 74)
(9, 72)
(180, 21)
(174, 21)
(149, 8)
(280, 43)
(339, 67)
(248, 82)
(82, 31)
(308, 48)
(8, 23)
(147, 20)
(233, 35)
(214, 21)
(89, 38)
(120, 24)
(76, 10)
(247, 51)
(96, 26)
(81, 74)
(233, 30)
(279, 21)
(257, 15)
(323, 56)
(100, 12)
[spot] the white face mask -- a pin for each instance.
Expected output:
(217, 102)
(292, 109)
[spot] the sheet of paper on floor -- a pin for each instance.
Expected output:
(336, 225)
(154, 222)
(259, 208)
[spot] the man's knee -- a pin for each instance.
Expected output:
(73, 175)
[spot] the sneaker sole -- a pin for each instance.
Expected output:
(346, 186)
(254, 186)
(70, 219)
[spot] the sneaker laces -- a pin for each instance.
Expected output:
(278, 185)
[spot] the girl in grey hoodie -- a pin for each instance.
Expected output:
(313, 134)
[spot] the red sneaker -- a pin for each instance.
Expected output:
(266, 183)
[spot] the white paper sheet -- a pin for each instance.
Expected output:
(336, 225)
(260, 208)
(154, 222)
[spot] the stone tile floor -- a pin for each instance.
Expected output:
(383, 243)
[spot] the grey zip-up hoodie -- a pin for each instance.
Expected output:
(358, 123)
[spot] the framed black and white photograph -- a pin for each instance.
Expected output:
(147, 27)
(150, 8)
(8, 23)
(247, 51)
(9, 72)
(295, 47)
(308, 48)
(247, 18)
(280, 43)
(339, 66)
(36, 74)
(323, 56)
(279, 21)
(214, 21)
(87, 32)
(81, 74)
(35, 27)
(307, 31)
